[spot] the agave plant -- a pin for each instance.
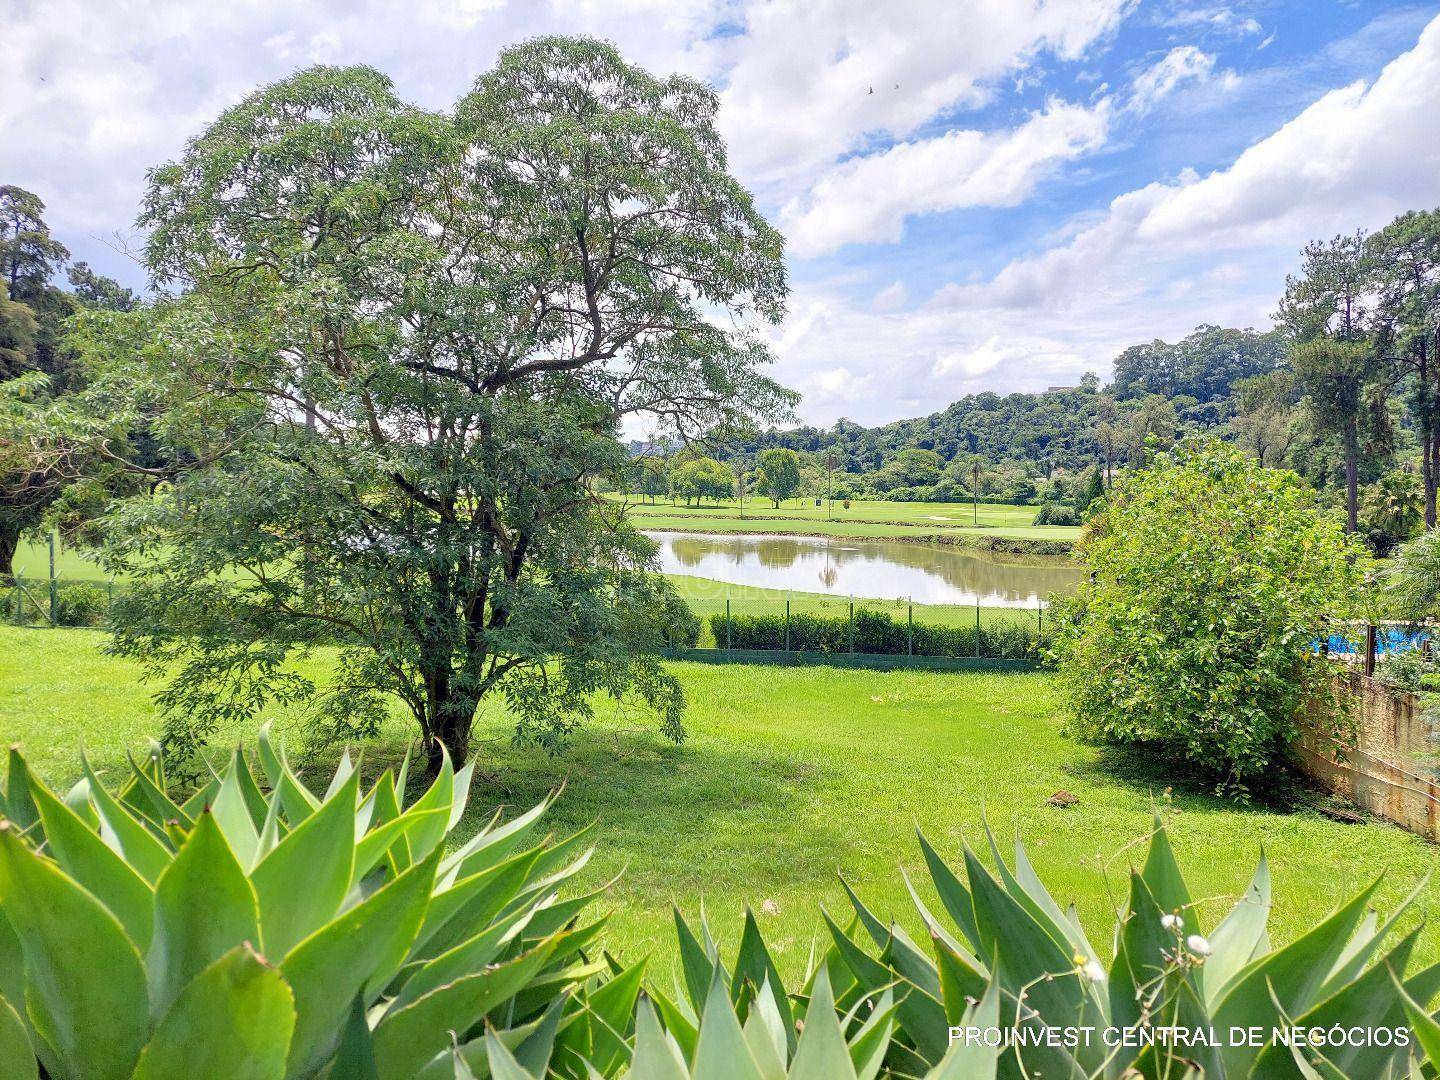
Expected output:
(1164, 971)
(246, 933)
(740, 1024)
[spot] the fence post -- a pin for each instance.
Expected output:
(910, 628)
(1369, 649)
(19, 597)
(53, 587)
(852, 626)
(977, 627)
(728, 638)
(787, 621)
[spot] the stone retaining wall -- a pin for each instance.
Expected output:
(1389, 769)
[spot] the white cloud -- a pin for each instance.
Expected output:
(868, 199)
(811, 82)
(891, 298)
(1185, 63)
(1355, 157)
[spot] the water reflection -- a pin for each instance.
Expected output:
(869, 568)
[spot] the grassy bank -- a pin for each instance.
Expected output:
(790, 776)
(867, 519)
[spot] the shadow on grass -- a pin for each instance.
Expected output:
(1151, 770)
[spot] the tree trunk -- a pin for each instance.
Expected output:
(1352, 479)
(9, 544)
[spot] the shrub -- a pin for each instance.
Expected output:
(876, 633)
(243, 934)
(1053, 513)
(81, 605)
(1210, 580)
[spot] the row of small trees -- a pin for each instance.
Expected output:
(693, 477)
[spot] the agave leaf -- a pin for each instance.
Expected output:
(1140, 966)
(657, 1055)
(765, 1034)
(232, 814)
(1239, 937)
(961, 981)
(821, 1053)
(1425, 1027)
(320, 852)
(754, 963)
(160, 807)
(376, 843)
(683, 1026)
(721, 1052)
(972, 1059)
(200, 799)
(336, 965)
(406, 1038)
(355, 1056)
(254, 797)
(1366, 942)
(343, 772)
(503, 1065)
(1290, 977)
(233, 1022)
(491, 844)
(1030, 884)
(470, 902)
(467, 957)
(871, 1042)
(86, 993)
(134, 842)
(439, 796)
(19, 805)
(954, 897)
(204, 908)
(1042, 908)
(1162, 875)
(96, 866)
(695, 963)
(17, 1057)
(607, 1017)
(1370, 1002)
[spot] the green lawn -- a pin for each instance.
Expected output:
(790, 775)
(864, 519)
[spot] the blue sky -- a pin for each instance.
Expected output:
(977, 194)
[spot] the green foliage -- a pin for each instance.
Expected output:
(1392, 511)
(779, 474)
(1003, 936)
(1210, 580)
(81, 604)
(444, 320)
(240, 934)
(1056, 513)
(1204, 366)
(876, 633)
(696, 479)
(1412, 579)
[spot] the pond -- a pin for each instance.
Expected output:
(875, 569)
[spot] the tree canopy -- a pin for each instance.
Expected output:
(397, 351)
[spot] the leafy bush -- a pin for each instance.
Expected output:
(876, 633)
(81, 605)
(242, 934)
(1053, 513)
(1210, 580)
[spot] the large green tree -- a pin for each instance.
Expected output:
(398, 345)
(779, 474)
(38, 464)
(1405, 257)
(1325, 313)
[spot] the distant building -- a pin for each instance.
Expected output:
(1059, 389)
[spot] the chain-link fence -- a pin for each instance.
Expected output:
(755, 625)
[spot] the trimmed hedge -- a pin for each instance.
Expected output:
(876, 633)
